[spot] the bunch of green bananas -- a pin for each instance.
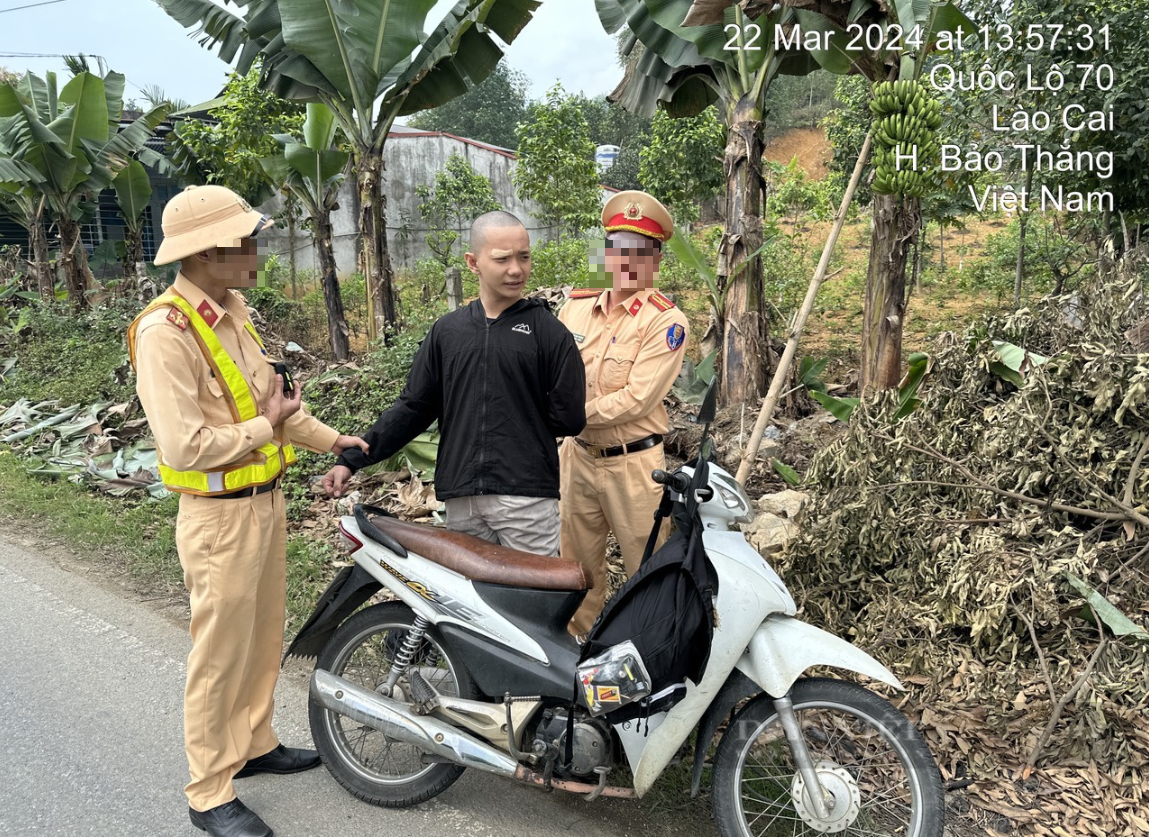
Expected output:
(905, 119)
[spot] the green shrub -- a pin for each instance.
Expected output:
(77, 358)
(562, 262)
(1048, 254)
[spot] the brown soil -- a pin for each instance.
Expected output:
(809, 145)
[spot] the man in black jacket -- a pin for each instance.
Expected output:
(504, 378)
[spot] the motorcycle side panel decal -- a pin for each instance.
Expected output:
(439, 594)
(445, 603)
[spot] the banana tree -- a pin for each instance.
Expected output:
(25, 205)
(71, 142)
(133, 193)
(727, 58)
(313, 171)
(666, 73)
(370, 62)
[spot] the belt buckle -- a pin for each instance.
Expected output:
(595, 451)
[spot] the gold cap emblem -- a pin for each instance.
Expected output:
(633, 212)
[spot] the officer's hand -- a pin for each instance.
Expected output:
(345, 442)
(276, 408)
(335, 481)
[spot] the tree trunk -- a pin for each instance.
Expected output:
(897, 222)
(1022, 221)
(290, 206)
(373, 229)
(337, 330)
(74, 261)
(744, 343)
(38, 243)
(133, 252)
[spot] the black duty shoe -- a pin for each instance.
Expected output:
(232, 819)
(280, 760)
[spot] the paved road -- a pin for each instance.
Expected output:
(91, 743)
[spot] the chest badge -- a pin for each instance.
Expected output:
(522, 328)
(578, 338)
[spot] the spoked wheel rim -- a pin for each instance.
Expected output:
(861, 761)
(365, 660)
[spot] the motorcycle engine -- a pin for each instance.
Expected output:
(591, 747)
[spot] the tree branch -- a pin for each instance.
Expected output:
(1064, 702)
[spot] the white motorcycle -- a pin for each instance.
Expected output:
(473, 667)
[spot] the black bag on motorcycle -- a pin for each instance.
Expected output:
(667, 610)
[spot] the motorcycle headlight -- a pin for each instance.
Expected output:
(733, 496)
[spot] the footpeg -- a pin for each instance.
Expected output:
(425, 698)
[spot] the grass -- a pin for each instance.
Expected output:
(137, 539)
(125, 537)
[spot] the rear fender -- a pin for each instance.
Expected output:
(348, 590)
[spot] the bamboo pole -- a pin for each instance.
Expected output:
(783, 370)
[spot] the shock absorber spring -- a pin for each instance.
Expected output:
(411, 641)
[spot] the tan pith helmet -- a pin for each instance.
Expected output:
(202, 217)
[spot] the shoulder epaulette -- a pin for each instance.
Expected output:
(177, 318)
(585, 293)
(660, 302)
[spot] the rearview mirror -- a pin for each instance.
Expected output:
(709, 404)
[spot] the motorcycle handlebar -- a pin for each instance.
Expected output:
(677, 481)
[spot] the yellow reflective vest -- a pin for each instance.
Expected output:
(240, 399)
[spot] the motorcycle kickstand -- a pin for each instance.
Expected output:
(601, 770)
(785, 708)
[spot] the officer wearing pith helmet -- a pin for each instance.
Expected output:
(225, 430)
(632, 340)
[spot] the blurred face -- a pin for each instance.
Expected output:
(502, 263)
(632, 260)
(240, 266)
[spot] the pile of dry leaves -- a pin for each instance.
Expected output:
(992, 548)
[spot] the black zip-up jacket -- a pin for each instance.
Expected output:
(501, 391)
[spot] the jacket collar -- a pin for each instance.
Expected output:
(211, 311)
(479, 314)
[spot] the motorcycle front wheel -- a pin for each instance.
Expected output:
(876, 773)
(362, 759)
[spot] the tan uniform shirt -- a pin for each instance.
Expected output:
(189, 410)
(633, 354)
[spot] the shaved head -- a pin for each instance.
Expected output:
(490, 221)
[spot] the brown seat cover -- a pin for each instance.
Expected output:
(480, 560)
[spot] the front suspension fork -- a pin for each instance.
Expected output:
(785, 708)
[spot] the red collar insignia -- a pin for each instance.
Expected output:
(206, 311)
(634, 306)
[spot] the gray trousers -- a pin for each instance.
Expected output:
(528, 524)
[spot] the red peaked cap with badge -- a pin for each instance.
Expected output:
(637, 212)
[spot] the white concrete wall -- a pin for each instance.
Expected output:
(412, 159)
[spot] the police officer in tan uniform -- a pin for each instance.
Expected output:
(225, 430)
(632, 340)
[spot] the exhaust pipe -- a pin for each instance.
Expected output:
(397, 722)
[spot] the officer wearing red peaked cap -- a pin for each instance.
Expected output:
(632, 340)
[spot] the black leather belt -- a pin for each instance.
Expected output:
(248, 492)
(598, 451)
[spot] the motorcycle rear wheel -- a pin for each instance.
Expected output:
(363, 760)
(870, 760)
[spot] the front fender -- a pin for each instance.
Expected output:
(783, 647)
(351, 587)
